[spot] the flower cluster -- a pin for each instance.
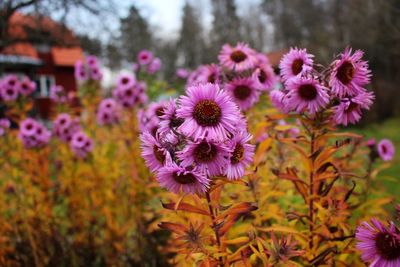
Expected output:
(81, 145)
(341, 87)
(88, 70)
(33, 134)
(4, 125)
(379, 243)
(146, 60)
(200, 136)
(150, 118)
(242, 72)
(58, 94)
(129, 92)
(108, 112)
(11, 87)
(64, 127)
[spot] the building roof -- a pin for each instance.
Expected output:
(64, 46)
(275, 56)
(66, 56)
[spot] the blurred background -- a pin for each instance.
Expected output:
(185, 33)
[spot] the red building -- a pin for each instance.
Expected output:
(48, 62)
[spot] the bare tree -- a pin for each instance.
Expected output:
(41, 9)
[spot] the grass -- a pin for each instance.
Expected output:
(387, 129)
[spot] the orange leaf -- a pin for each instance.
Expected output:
(185, 207)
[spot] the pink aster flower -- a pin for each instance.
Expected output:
(154, 66)
(350, 74)
(350, 108)
(96, 74)
(243, 91)
(144, 57)
(306, 94)
(92, 61)
(155, 155)
(11, 80)
(209, 157)
(28, 127)
(379, 244)
(241, 155)
(238, 58)
(81, 73)
(277, 98)
(58, 94)
(81, 145)
(9, 93)
(178, 179)
(209, 74)
(33, 134)
(295, 63)
(264, 77)
(386, 149)
(108, 112)
(208, 113)
(64, 127)
(182, 73)
(125, 80)
(169, 121)
(27, 86)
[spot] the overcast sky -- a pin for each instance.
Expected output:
(163, 15)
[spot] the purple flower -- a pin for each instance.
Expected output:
(81, 145)
(277, 98)
(238, 58)
(350, 108)
(295, 63)
(10, 88)
(241, 155)
(386, 149)
(64, 127)
(178, 179)
(81, 73)
(11, 80)
(96, 74)
(144, 57)
(154, 66)
(33, 134)
(350, 73)
(209, 74)
(169, 120)
(92, 61)
(182, 73)
(28, 127)
(379, 244)
(108, 112)
(58, 94)
(209, 157)
(306, 94)
(208, 113)
(27, 86)
(243, 91)
(125, 81)
(152, 151)
(264, 77)
(4, 125)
